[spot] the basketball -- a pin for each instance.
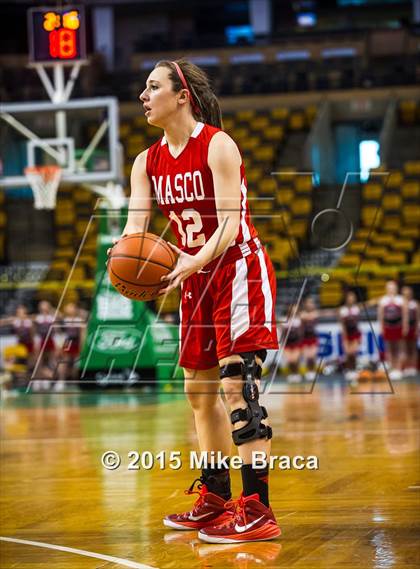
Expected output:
(137, 263)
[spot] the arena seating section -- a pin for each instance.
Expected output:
(72, 217)
(386, 244)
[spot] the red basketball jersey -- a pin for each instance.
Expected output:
(184, 191)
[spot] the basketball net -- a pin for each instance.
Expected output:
(44, 181)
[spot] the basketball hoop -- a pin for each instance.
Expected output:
(44, 181)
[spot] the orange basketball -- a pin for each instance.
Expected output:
(365, 375)
(137, 263)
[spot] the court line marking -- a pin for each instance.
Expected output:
(285, 516)
(118, 560)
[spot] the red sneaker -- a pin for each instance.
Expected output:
(209, 510)
(251, 521)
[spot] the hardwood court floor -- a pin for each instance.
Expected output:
(359, 510)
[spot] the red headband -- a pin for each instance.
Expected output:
(195, 107)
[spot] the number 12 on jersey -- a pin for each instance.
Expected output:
(187, 236)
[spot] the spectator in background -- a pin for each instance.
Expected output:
(46, 350)
(349, 317)
(309, 317)
(292, 338)
(411, 336)
(72, 324)
(393, 320)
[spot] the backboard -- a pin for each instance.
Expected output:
(80, 135)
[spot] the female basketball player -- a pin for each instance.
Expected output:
(72, 325)
(46, 348)
(393, 319)
(23, 328)
(293, 344)
(309, 317)
(196, 174)
(410, 338)
(349, 317)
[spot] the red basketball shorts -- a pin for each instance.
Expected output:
(227, 311)
(47, 345)
(392, 333)
(353, 336)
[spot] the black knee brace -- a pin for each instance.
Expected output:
(254, 413)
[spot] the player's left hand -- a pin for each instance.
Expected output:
(185, 266)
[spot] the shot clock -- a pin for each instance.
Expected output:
(56, 34)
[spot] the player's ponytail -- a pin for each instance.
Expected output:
(204, 104)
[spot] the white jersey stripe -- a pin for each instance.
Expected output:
(198, 128)
(239, 308)
(244, 226)
(268, 297)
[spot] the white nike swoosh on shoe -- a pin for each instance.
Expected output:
(241, 529)
(196, 518)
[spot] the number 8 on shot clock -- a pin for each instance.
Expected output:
(57, 34)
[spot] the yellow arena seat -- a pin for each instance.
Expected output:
(311, 112)
(376, 252)
(274, 133)
(83, 196)
(254, 175)
(65, 217)
(362, 233)
(411, 190)
(228, 123)
(356, 247)
(250, 143)
(125, 129)
(259, 123)
(411, 214)
(395, 179)
(240, 134)
(297, 121)
(301, 207)
(280, 113)
(391, 223)
(268, 185)
(303, 184)
(371, 214)
(298, 228)
(395, 258)
(372, 191)
(350, 260)
(330, 297)
(65, 237)
(285, 196)
(412, 168)
(279, 222)
(140, 121)
(402, 245)
(391, 202)
(78, 274)
(245, 116)
(412, 232)
(408, 112)
(382, 238)
(65, 253)
(264, 153)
